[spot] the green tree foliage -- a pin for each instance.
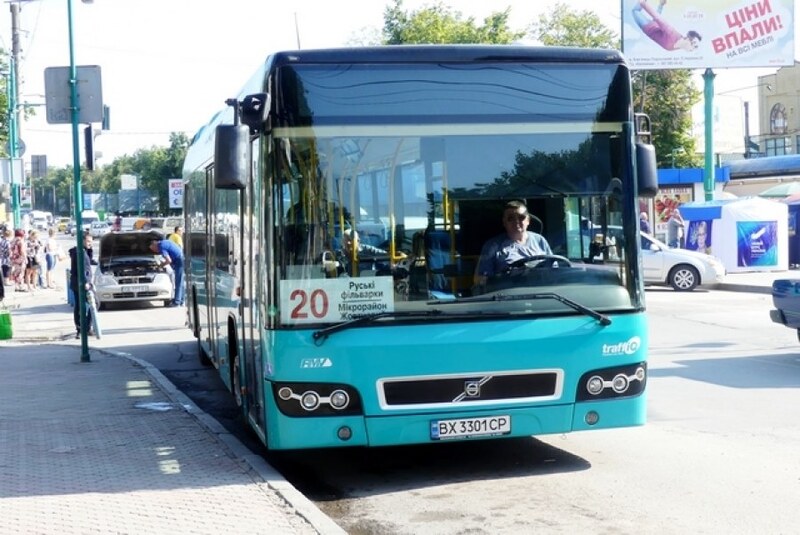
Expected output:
(666, 96)
(154, 167)
(564, 26)
(439, 24)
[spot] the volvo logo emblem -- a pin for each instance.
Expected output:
(472, 389)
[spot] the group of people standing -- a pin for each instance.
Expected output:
(676, 228)
(27, 260)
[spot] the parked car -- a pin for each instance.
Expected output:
(128, 271)
(135, 223)
(682, 269)
(62, 224)
(99, 228)
(786, 299)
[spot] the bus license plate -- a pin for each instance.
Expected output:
(470, 427)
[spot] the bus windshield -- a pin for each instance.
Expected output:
(398, 188)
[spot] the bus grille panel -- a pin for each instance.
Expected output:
(472, 388)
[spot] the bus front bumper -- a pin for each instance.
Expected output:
(419, 428)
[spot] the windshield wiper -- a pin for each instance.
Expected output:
(322, 334)
(601, 318)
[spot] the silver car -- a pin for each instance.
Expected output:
(682, 269)
(129, 271)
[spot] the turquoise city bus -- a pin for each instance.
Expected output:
(336, 213)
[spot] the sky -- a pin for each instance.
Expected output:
(168, 65)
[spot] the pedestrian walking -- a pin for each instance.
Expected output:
(53, 253)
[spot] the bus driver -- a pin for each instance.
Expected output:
(517, 243)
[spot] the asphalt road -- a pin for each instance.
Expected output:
(718, 454)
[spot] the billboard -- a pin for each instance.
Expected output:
(694, 34)
(175, 192)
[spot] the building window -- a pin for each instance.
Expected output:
(777, 119)
(779, 145)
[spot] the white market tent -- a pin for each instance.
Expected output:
(746, 234)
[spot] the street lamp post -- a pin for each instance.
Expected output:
(77, 190)
(11, 100)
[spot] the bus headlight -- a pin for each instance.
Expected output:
(339, 399)
(316, 399)
(628, 380)
(595, 385)
(309, 400)
(620, 383)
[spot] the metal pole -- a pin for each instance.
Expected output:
(13, 119)
(80, 298)
(708, 93)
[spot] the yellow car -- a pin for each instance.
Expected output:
(63, 223)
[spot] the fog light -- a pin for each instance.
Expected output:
(339, 399)
(310, 400)
(639, 374)
(620, 383)
(285, 393)
(344, 433)
(591, 418)
(594, 385)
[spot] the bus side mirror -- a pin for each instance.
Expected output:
(646, 166)
(254, 110)
(646, 170)
(231, 156)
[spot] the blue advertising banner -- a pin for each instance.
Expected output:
(699, 236)
(757, 243)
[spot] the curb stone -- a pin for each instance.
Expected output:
(257, 465)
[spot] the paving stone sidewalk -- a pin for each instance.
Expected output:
(111, 446)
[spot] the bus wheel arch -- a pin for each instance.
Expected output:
(205, 360)
(234, 363)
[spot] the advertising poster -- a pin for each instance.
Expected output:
(666, 202)
(693, 34)
(757, 243)
(699, 236)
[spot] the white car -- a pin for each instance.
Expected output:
(99, 229)
(128, 270)
(682, 269)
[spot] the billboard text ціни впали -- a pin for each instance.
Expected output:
(692, 34)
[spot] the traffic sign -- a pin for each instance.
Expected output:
(20, 147)
(58, 94)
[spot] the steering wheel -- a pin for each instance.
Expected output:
(542, 261)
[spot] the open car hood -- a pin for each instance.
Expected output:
(128, 247)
